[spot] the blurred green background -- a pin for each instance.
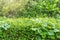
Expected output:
(29, 19)
(29, 8)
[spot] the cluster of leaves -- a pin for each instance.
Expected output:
(31, 29)
(11, 7)
(29, 8)
(43, 8)
(4, 25)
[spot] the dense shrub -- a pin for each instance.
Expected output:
(43, 8)
(11, 7)
(34, 28)
(30, 29)
(29, 8)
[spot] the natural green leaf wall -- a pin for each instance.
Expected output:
(29, 8)
(30, 29)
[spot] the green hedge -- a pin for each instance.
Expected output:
(42, 8)
(30, 8)
(30, 29)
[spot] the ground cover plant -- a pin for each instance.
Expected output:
(30, 29)
(29, 19)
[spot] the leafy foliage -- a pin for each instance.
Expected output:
(39, 20)
(29, 8)
(30, 29)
